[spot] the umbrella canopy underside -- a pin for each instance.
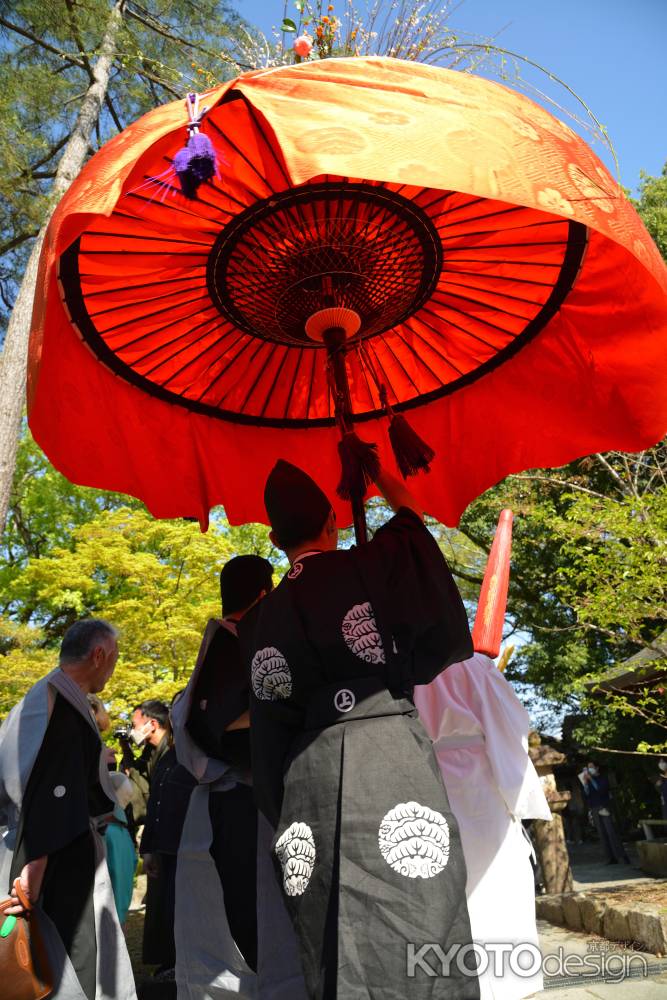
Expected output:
(521, 320)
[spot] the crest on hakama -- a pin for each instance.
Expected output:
(414, 840)
(296, 852)
(361, 635)
(270, 675)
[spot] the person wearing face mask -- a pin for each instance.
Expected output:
(55, 800)
(598, 796)
(150, 731)
(170, 789)
(661, 785)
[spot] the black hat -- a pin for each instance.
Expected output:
(242, 580)
(296, 506)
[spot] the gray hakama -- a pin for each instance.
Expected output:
(367, 851)
(209, 965)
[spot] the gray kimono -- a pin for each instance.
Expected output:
(32, 779)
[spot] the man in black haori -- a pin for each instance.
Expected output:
(366, 848)
(233, 936)
(55, 800)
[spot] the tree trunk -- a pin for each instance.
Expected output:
(551, 851)
(14, 360)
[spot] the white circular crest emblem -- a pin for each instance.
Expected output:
(59, 791)
(361, 635)
(270, 675)
(344, 700)
(296, 852)
(414, 840)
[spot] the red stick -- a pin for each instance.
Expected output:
(487, 631)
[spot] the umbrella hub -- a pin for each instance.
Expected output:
(356, 247)
(336, 324)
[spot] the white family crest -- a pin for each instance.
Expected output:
(296, 852)
(361, 635)
(270, 675)
(414, 840)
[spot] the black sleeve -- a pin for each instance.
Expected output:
(424, 610)
(55, 808)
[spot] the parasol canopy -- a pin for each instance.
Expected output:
(507, 298)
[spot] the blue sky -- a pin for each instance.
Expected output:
(613, 53)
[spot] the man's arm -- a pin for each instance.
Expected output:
(396, 493)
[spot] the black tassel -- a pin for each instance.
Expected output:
(411, 453)
(360, 466)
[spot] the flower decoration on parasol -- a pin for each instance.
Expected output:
(362, 246)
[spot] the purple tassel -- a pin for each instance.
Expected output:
(411, 453)
(360, 466)
(195, 163)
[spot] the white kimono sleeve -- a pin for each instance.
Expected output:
(505, 724)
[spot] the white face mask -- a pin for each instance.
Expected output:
(663, 765)
(593, 771)
(138, 735)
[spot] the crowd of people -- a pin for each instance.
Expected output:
(338, 789)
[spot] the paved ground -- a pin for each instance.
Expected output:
(637, 975)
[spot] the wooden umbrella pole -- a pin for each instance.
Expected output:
(334, 339)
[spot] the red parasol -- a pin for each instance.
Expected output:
(507, 298)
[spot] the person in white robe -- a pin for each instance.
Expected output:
(480, 733)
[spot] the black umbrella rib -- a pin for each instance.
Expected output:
(270, 355)
(269, 146)
(505, 261)
(143, 237)
(141, 302)
(223, 371)
(488, 291)
(479, 302)
(501, 277)
(310, 386)
(213, 360)
(295, 374)
(131, 217)
(512, 210)
(151, 315)
(510, 246)
(199, 358)
(130, 288)
(151, 333)
(397, 331)
(243, 156)
(142, 253)
(178, 209)
(184, 347)
(385, 378)
(506, 229)
(280, 367)
(469, 333)
(258, 347)
(454, 208)
(430, 344)
(369, 387)
(398, 361)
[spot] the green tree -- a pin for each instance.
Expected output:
(73, 74)
(652, 206)
(71, 552)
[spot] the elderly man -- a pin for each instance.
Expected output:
(54, 795)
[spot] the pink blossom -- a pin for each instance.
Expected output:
(303, 45)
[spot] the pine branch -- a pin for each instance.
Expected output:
(41, 42)
(51, 153)
(563, 482)
(17, 241)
